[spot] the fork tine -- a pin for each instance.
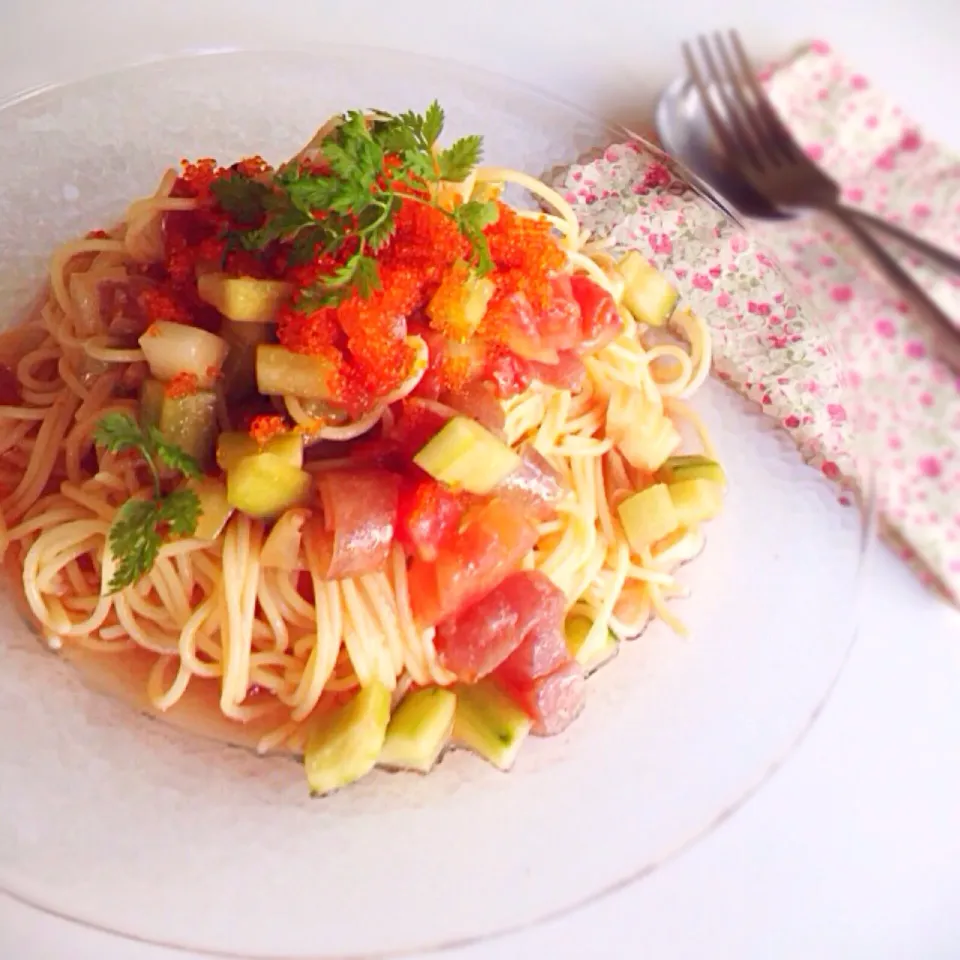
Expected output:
(775, 133)
(727, 89)
(719, 125)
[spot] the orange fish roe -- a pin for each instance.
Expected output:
(160, 304)
(196, 178)
(182, 385)
(446, 308)
(254, 166)
(313, 332)
(425, 239)
(526, 254)
(265, 427)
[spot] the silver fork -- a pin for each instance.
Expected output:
(761, 147)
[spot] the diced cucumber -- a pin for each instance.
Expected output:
(346, 742)
(690, 467)
(233, 446)
(648, 516)
(696, 500)
(281, 372)
(214, 509)
(419, 729)
(151, 402)
(191, 423)
(646, 293)
(490, 723)
(244, 299)
(464, 454)
(460, 303)
(590, 647)
(263, 485)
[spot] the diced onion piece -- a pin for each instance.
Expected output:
(281, 549)
(648, 516)
(214, 509)
(173, 348)
(244, 299)
(642, 432)
(281, 371)
(465, 455)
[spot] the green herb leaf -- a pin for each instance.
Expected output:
(433, 123)
(472, 217)
(351, 198)
(134, 542)
(180, 511)
(118, 432)
(366, 276)
(244, 198)
(460, 158)
(140, 526)
(172, 456)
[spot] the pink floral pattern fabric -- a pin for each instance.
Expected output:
(889, 394)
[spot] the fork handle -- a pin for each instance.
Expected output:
(946, 331)
(929, 250)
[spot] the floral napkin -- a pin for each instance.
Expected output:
(907, 403)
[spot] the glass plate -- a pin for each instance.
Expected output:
(134, 826)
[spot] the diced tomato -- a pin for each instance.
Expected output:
(560, 323)
(599, 320)
(428, 516)
(540, 604)
(535, 485)
(534, 336)
(489, 548)
(489, 633)
(542, 651)
(566, 374)
(553, 701)
(477, 401)
(479, 638)
(507, 373)
(354, 533)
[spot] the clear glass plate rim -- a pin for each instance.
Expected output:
(866, 503)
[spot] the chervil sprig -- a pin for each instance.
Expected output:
(346, 208)
(141, 526)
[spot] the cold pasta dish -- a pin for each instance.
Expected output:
(380, 460)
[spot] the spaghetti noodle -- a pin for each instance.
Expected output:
(283, 645)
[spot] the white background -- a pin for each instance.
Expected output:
(854, 849)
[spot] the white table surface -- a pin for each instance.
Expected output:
(853, 851)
